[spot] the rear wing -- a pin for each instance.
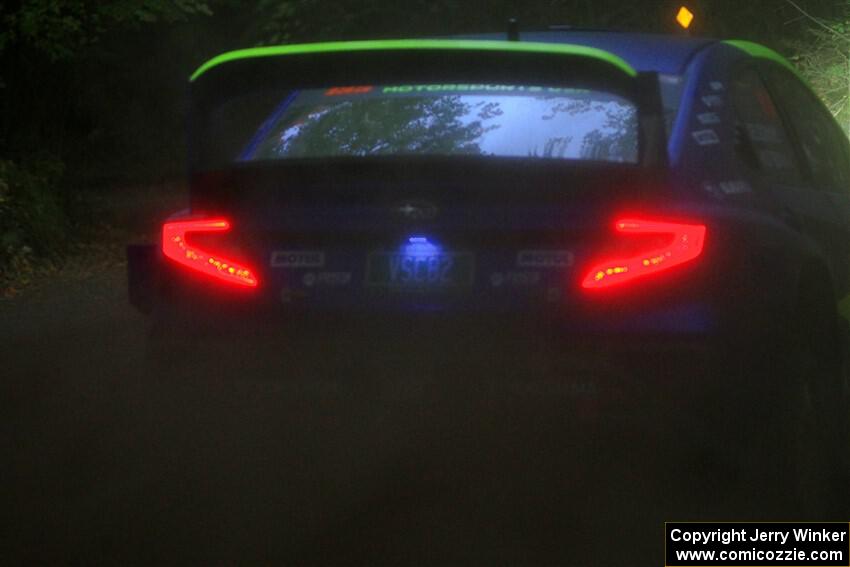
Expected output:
(319, 65)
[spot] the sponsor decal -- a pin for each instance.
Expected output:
(515, 279)
(416, 210)
(545, 259)
(455, 88)
(712, 101)
(297, 259)
(775, 160)
(764, 133)
(339, 91)
(706, 137)
(735, 187)
(288, 295)
(708, 118)
(327, 279)
(711, 188)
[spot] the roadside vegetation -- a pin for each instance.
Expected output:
(823, 56)
(91, 92)
(78, 120)
(33, 219)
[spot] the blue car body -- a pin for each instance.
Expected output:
(767, 231)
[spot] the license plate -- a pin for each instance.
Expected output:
(418, 271)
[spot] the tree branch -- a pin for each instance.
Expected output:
(814, 19)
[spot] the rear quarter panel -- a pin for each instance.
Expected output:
(761, 256)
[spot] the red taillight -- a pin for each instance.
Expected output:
(686, 244)
(175, 247)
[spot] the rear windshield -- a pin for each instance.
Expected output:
(519, 121)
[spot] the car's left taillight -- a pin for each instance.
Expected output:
(207, 262)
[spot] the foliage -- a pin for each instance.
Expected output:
(63, 95)
(824, 58)
(33, 221)
(60, 29)
(286, 21)
(311, 20)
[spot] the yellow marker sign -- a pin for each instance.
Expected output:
(685, 17)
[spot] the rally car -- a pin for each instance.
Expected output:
(654, 193)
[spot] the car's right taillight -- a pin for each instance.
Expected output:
(680, 244)
(209, 263)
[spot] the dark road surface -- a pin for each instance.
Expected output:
(346, 458)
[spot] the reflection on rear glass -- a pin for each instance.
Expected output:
(447, 120)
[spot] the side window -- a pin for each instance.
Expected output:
(823, 144)
(761, 140)
(672, 87)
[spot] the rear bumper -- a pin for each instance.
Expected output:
(155, 286)
(618, 358)
(680, 317)
(508, 361)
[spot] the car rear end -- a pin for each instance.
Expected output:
(425, 195)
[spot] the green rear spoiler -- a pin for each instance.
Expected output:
(762, 52)
(416, 44)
